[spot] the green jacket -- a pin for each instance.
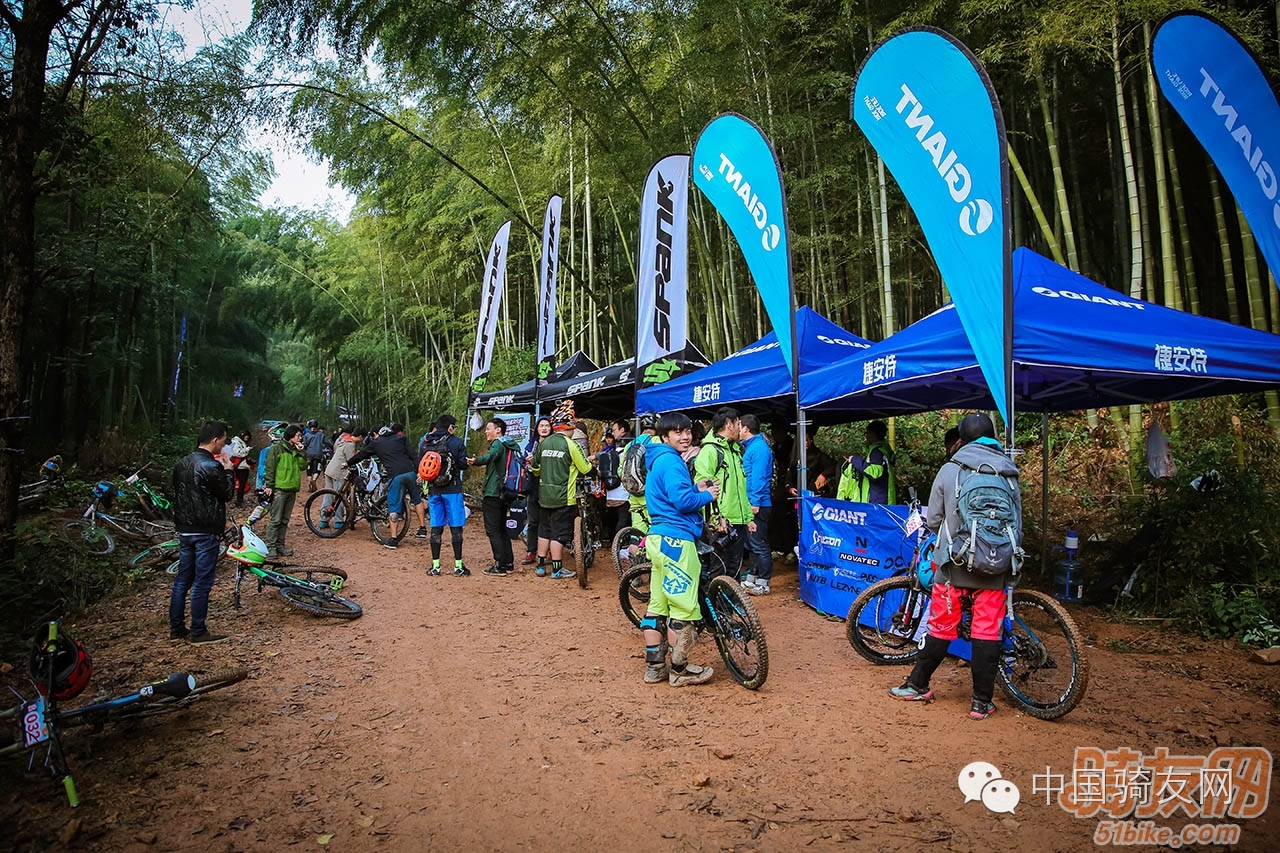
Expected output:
(556, 463)
(721, 460)
(284, 467)
(870, 479)
(495, 462)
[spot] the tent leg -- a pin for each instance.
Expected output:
(1044, 494)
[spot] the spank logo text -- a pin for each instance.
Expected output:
(770, 233)
(976, 215)
(662, 264)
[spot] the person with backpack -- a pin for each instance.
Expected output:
(975, 507)
(347, 445)
(609, 463)
(280, 482)
(541, 430)
(392, 450)
(633, 474)
(757, 467)
(869, 479)
(557, 463)
(720, 460)
(444, 490)
(498, 492)
(675, 507)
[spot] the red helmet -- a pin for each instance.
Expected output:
(68, 661)
(429, 466)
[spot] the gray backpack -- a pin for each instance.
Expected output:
(634, 468)
(988, 540)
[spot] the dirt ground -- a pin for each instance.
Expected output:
(509, 713)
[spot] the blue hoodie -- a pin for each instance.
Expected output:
(757, 463)
(673, 501)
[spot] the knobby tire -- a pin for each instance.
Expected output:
(735, 624)
(633, 593)
(884, 619)
(320, 603)
(380, 523)
(1046, 673)
(311, 513)
(630, 539)
(88, 538)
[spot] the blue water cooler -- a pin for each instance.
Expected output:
(1068, 574)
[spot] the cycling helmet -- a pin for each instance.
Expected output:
(925, 568)
(429, 466)
(51, 468)
(69, 663)
(312, 423)
(105, 491)
(649, 420)
(976, 425)
(264, 499)
(251, 551)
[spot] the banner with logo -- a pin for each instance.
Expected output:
(735, 168)
(662, 302)
(927, 107)
(845, 547)
(495, 280)
(1213, 81)
(547, 289)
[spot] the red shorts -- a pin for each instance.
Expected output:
(945, 609)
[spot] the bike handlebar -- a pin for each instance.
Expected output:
(178, 685)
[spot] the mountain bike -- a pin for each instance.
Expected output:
(91, 532)
(51, 481)
(1043, 669)
(727, 613)
(154, 506)
(629, 541)
(587, 542)
(60, 669)
(331, 512)
(162, 555)
(308, 587)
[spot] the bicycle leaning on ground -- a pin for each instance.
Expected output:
(331, 512)
(1042, 669)
(90, 531)
(60, 669)
(727, 613)
(52, 481)
(310, 588)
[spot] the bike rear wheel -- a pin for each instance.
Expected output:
(380, 523)
(1043, 669)
(633, 593)
(630, 540)
(315, 514)
(738, 632)
(320, 602)
(886, 620)
(88, 537)
(157, 555)
(586, 549)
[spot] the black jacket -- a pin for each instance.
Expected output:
(201, 489)
(392, 450)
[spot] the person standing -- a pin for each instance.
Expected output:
(557, 462)
(283, 479)
(494, 501)
(392, 451)
(444, 495)
(239, 450)
(201, 489)
(720, 460)
(675, 508)
(757, 466)
(345, 446)
(541, 430)
(617, 515)
(953, 582)
(869, 479)
(313, 442)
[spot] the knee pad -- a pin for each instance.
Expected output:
(455, 536)
(437, 536)
(676, 624)
(654, 623)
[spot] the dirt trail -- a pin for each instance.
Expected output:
(509, 713)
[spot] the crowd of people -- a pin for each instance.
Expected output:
(691, 497)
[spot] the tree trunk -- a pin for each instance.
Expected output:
(1059, 185)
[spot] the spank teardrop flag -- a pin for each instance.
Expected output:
(662, 301)
(495, 281)
(927, 107)
(736, 169)
(1214, 82)
(547, 289)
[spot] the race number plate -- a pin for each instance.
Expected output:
(35, 727)
(914, 521)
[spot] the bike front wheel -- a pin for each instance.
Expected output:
(628, 542)
(316, 515)
(88, 537)
(586, 550)
(320, 603)
(157, 555)
(380, 523)
(633, 593)
(738, 633)
(887, 621)
(1043, 669)
(330, 576)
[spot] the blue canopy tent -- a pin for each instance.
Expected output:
(755, 378)
(1076, 345)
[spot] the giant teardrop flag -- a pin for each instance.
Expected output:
(495, 281)
(736, 169)
(927, 107)
(1213, 81)
(547, 289)
(662, 316)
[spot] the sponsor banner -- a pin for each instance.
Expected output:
(517, 425)
(845, 547)
(928, 109)
(662, 316)
(1215, 84)
(547, 288)
(495, 280)
(735, 168)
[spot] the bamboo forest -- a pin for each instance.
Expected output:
(146, 284)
